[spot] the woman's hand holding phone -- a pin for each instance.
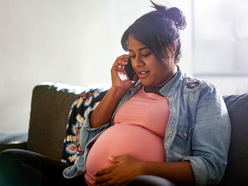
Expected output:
(119, 75)
(104, 111)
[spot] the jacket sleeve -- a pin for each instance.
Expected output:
(211, 138)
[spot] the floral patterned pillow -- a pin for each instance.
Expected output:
(80, 107)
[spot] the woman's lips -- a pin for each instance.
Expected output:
(143, 74)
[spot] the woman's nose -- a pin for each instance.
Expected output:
(138, 61)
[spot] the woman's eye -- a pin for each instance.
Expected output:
(147, 54)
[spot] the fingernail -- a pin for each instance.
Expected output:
(110, 158)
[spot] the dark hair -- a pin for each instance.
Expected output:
(158, 30)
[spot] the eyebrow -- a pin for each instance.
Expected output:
(138, 49)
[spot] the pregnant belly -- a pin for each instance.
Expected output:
(121, 139)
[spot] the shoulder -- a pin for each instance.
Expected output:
(198, 90)
(193, 84)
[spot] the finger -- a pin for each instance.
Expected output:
(104, 171)
(123, 57)
(122, 76)
(119, 65)
(102, 180)
(122, 60)
(117, 159)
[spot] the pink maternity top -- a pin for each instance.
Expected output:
(138, 130)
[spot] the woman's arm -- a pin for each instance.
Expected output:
(104, 111)
(179, 173)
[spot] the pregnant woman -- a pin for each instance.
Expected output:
(162, 122)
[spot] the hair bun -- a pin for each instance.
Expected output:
(177, 16)
(173, 13)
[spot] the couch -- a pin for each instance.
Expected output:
(57, 114)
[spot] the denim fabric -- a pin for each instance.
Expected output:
(198, 131)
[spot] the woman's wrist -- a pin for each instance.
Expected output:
(117, 92)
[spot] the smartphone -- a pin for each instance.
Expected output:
(129, 69)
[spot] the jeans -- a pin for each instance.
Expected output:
(21, 167)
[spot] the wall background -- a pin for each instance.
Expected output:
(73, 42)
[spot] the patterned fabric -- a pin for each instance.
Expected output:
(80, 107)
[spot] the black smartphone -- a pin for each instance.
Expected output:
(129, 69)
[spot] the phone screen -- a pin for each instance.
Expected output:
(129, 70)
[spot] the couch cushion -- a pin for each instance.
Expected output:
(237, 167)
(49, 113)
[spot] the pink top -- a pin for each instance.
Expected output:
(139, 130)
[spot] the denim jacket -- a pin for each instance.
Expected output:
(198, 131)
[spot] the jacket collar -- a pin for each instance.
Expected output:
(166, 89)
(172, 84)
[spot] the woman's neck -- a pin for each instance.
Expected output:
(156, 90)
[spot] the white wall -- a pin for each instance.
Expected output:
(73, 42)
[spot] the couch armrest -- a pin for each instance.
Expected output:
(13, 140)
(21, 145)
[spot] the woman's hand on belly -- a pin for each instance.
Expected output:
(125, 168)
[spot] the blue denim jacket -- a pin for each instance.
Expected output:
(198, 131)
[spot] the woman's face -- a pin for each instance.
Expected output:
(152, 72)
